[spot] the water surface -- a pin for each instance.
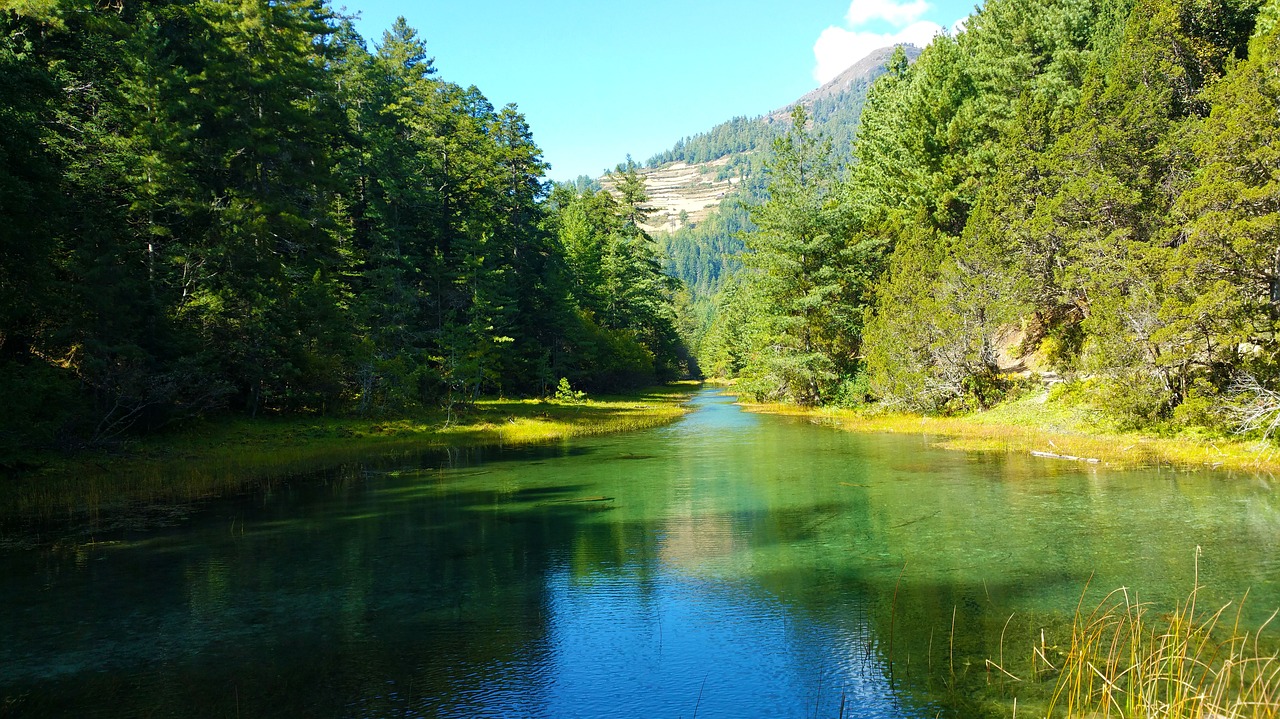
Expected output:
(727, 565)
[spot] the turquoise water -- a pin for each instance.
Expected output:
(728, 565)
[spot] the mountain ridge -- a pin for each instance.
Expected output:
(865, 70)
(688, 182)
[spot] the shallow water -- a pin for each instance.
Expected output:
(728, 565)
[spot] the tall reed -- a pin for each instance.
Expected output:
(1127, 660)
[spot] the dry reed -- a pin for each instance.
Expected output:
(1126, 660)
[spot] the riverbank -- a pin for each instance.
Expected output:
(223, 456)
(1074, 434)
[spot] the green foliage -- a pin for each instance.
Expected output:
(932, 340)
(1060, 347)
(705, 255)
(854, 392)
(237, 206)
(745, 140)
(565, 393)
(1096, 174)
(45, 399)
(1061, 167)
(805, 277)
(739, 135)
(628, 319)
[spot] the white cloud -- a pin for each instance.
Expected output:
(837, 48)
(897, 15)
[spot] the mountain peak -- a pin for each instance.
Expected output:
(864, 71)
(688, 182)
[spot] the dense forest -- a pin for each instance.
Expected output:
(241, 207)
(705, 255)
(1088, 188)
(747, 142)
(238, 206)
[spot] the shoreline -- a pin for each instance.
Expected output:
(224, 456)
(1012, 429)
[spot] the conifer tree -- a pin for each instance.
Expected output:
(797, 259)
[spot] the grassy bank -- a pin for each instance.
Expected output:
(1033, 424)
(218, 457)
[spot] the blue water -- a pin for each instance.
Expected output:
(728, 565)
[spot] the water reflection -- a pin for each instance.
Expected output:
(736, 564)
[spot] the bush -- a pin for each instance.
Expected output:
(1135, 399)
(42, 403)
(1201, 408)
(853, 391)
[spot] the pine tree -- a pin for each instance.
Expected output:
(798, 262)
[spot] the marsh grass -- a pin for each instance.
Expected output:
(222, 457)
(1031, 425)
(1126, 660)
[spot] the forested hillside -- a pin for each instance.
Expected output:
(238, 206)
(703, 254)
(833, 109)
(1089, 188)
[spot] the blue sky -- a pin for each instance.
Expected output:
(602, 78)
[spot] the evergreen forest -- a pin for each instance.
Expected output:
(239, 206)
(242, 207)
(1081, 190)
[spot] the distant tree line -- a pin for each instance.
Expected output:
(236, 205)
(836, 116)
(1095, 178)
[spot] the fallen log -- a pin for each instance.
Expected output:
(1068, 457)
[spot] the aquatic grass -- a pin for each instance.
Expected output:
(226, 456)
(1126, 659)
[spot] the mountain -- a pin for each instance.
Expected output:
(856, 79)
(689, 181)
(699, 233)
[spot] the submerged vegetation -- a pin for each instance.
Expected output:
(217, 457)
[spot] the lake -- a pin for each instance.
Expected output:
(728, 565)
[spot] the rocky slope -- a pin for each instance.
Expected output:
(683, 192)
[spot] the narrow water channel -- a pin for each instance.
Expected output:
(728, 565)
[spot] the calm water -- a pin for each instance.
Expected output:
(729, 565)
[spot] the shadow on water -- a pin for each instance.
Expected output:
(745, 566)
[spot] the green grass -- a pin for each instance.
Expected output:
(222, 456)
(1127, 660)
(1034, 424)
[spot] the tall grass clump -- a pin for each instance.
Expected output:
(1127, 660)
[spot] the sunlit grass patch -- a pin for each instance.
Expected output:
(223, 456)
(1033, 425)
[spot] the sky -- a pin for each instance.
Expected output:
(601, 79)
